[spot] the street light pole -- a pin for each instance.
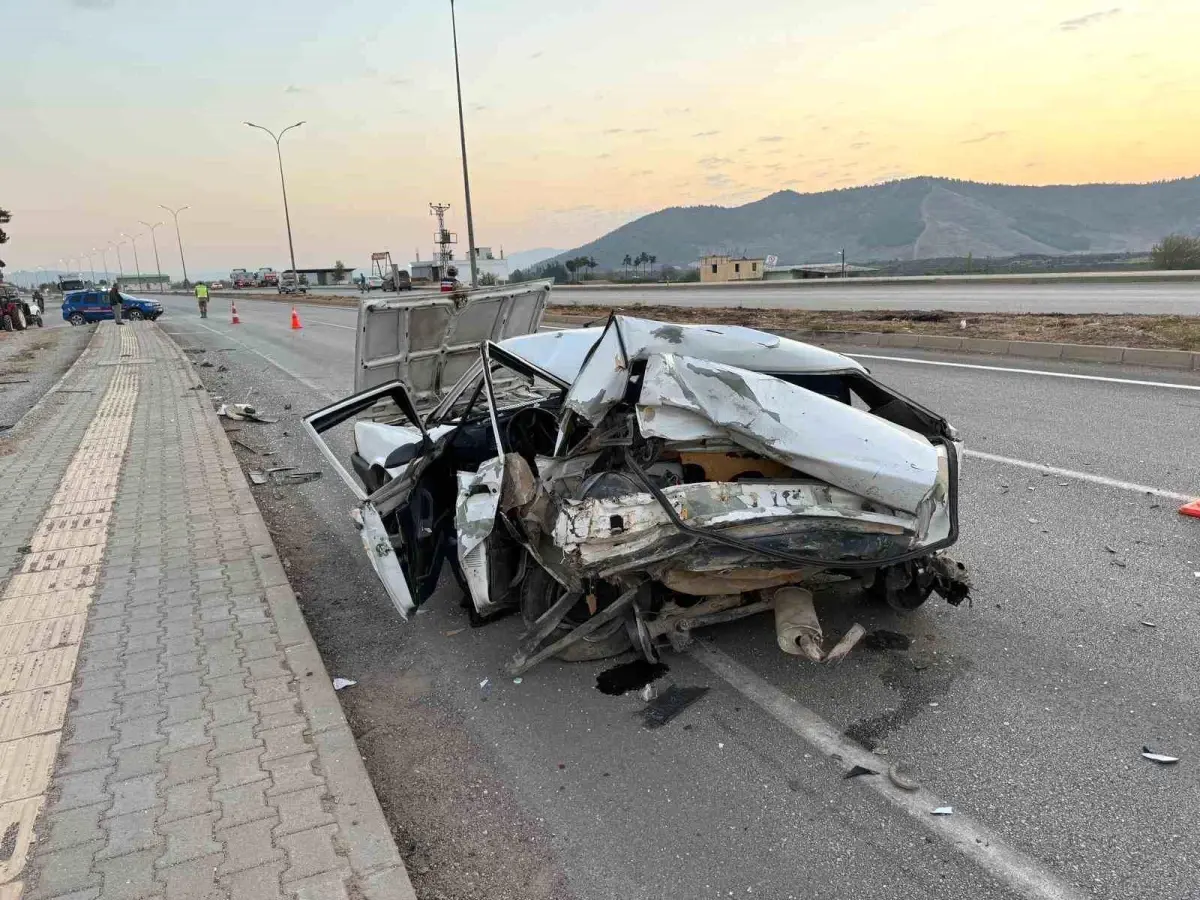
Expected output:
(287, 218)
(137, 265)
(843, 262)
(175, 214)
(116, 245)
(462, 135)
(92, 264)
(104, 253)
(154, 241)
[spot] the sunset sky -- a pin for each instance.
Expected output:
(579, 116)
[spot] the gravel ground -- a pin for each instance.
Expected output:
(30, 363)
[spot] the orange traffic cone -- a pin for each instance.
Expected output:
(1191, 509)
(296, 326)
(233, 309)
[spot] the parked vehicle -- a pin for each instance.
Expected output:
(622, 485)
(240, 278)
(17, 311)
(216, 285)
(68, 283)
(80, 307)
(290, 284)
(398, 281)
(266, 277)
(374, 283)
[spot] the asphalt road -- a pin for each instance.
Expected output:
(1151, 298)
(1026, 712)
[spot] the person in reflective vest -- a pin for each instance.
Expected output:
(202, 298)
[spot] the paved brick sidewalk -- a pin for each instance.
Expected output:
(167, 728)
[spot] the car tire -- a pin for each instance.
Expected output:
(40, 323)
(6, 322)
(76, 318)
(907, 591)
(18, 320)
(539, 592)
(136, 315)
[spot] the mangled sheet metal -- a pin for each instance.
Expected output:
(620, 486)
(832, 441)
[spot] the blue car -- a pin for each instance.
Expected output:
(80, 307)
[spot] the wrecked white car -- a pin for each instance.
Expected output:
(622, 485)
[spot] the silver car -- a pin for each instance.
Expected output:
(623, 484)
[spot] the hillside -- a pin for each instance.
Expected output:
(914, 219)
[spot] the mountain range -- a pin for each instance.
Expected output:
(914, 218)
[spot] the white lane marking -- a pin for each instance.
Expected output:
(311, 385)
(332, 324)
(1024, 875)
(1079, 476)
(954, 365)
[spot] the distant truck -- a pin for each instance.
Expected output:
(70, 283)
(267, 277)
(240, 278)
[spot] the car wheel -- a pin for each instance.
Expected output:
(904, 588)
(76, 318)
(539, 592)
(6, 322)
(136, 314)
(40, 322)
(18, 318)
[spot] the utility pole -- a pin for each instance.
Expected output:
(154, 241)
(462, 134)
(283, 184)
(137, 265)
(843, 262)
(92, 264)
(104, 255)
(175, 214)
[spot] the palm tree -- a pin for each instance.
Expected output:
(627, 263)
(571, 266)
(591, 264)
(652, 260)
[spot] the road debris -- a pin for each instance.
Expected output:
(903, 777)
(943, 811)
(1150, 624)
(670, 704)
(518, 680)
(257, 477)
(289, 475)
(843, 647)
(342, 683)
(630, 676)
(1110, 549)
(243, 412)
(858, 771)
(1160, 758)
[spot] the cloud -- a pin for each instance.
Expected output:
(719, 180)
(711, 162)
(604, 156)
(704, 134)
(858, 145)
(986, 136)
(1090, 19)
(94, 4)
(399, 81)
(614, 131)
(771, 139)
(292, 89)
(537, 55)
(644, 131)
(478, 107)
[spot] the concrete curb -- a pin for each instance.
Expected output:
(1185, 360)
(366, 837)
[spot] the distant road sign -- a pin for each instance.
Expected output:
(375, 257)
(772, 261)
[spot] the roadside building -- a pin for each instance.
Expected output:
(151, 282)
(327, 275)
(430, 271)
(717, 268)
(800, 271)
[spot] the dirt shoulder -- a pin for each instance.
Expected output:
(31, 362)
(1156, 332)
